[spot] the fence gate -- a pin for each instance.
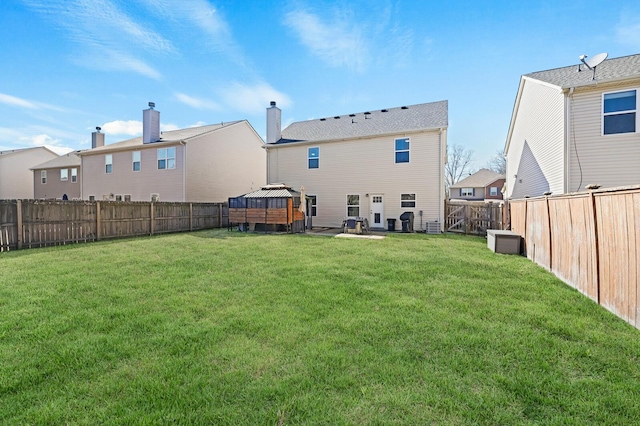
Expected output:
(469, 217)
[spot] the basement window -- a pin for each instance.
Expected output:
(619, 112)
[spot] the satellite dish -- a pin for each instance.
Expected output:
(592, 63)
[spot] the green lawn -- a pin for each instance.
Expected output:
(221, 327)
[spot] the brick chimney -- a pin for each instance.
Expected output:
(273, 123)
(150, 124)
(97, 138)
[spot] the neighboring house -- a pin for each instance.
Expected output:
(483, 185)
(375, 164)
(572, 128)
(199, 164)
(16, 177)
(58, 177)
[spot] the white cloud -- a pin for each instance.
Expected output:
(18, 102)
(168, 127)
(121, 127)
(253, 99)
(197, 103)
(339, 42)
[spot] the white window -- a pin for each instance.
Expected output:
(127, 197)
(92, 197)
(64, 174)
(43, 177)
(108, 163)
(466, 192)
(74, 175)
(493, 191)
(135, 158)
(407, 200)
(402, 150)
(619, 112)
(353, 205)
(313, 157)
(118, 197)
(167, 158)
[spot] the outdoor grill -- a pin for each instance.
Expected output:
(407, 221)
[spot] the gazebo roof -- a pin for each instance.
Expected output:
(273, 191)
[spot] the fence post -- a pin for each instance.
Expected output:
(19, 224)
(152, 218)
(220, 215)
(550, 234)
(190, 217)
(594, 216)
(98, 224)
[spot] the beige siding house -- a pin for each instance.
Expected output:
(483, 185)
(571, 128)
(58, 178)
(374, 164)
(16, 176)
(199, 164)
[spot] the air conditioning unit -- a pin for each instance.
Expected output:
(432, 228)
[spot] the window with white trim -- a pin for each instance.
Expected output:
(74, 175)
(402, 150)
(353, 205)
(64, 174)
(108, 163)
(313, 157)
(493, 191)
(466, 192)
(619, 112)
(135, 158)
(43, 177)
(167, 158)
(407, 200)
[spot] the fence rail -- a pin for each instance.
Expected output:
(472, 217)
(35, 223)
(590, 240)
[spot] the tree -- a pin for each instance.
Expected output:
(458, 165)
(498, 162)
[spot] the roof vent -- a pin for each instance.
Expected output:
(352, 115)
(337, 117)
(404, 107)
(366, 115)
(384, 110)
(323, 119)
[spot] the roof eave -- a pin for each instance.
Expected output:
(597, 82)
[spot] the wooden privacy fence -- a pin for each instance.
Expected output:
(590, 240)
(34, 223)
(472, 217)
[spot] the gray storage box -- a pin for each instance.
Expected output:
(506, 242)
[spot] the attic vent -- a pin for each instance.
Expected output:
(405, 107)
(384, 110)
(352, 115)
(337, 117)
(323, 119)
(367, 113)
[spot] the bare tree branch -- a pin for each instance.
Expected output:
(458, 165)
(498, 162)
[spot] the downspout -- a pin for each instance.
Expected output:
(184, 171)
(441, 190)
(567, 141)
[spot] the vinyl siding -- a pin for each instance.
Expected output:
(16, 178)
(611, 160)
(55, 188)
(168, 183)
(226, 163)
(536, 148)
(366, 166)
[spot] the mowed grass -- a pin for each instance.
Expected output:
(221, 327)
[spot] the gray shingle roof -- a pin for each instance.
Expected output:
(67, 160)
(167, 136)
(481, 178)
(611, 69)
(370, 123)
(273, 191)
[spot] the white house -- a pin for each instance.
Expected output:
(197, 164)
(575, 126)
(375, 164)
(16, 176)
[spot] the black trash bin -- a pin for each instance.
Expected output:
(407, 221)
(391, 224)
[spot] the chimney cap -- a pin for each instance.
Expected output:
(273, 103)
(98, 128)
(152, 105)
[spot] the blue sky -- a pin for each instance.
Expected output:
(67, 66)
